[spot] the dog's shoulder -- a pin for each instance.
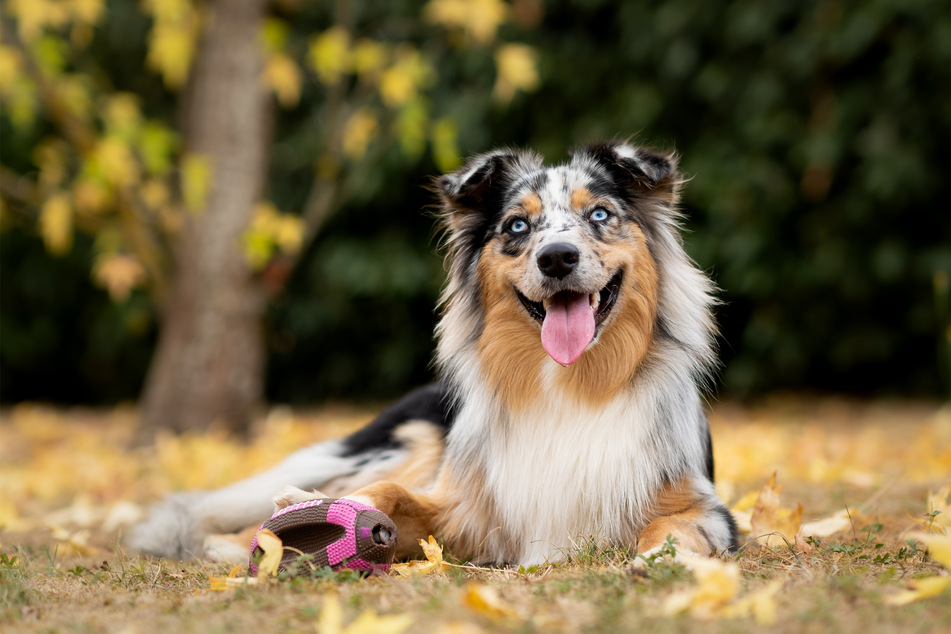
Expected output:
(432, 403)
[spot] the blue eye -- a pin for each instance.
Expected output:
(518, 226)
(599, 215)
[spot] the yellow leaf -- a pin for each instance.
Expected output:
(273, 553)
(771, 524)
(282, 75)
(434, 563)
(919, 589)
(156, 146)
(370, 623)
(118, 274)
(274, 35)
(478, 19)
(717, 583)
(446, 145)
(358, 131)
(836, 523)
(87, 11)
(154, 193)
(74, 93)
(173, 40)
(330, 54)
(122, 115)
(10, 65)
(197, 179)
(516, 70)
(117, 162)
(33, 15)
(331, 616)
(56, 224)
(368, 57)
(939, 547)
(485, 600)
(402, 81)
(761, 605)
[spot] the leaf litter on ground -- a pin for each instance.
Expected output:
(842, 503)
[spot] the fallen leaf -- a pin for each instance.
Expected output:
(717, 584)
(939, 546)
(771, 524)
(485, 600)
(273, 552)
(831, 525)
(331, 621)
(919, 589)
(761, 605)
(434, 563)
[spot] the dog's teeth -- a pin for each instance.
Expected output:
(545, 303)
(595, 300)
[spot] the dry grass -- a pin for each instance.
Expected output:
(64, 476)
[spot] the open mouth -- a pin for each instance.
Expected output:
(601, 302)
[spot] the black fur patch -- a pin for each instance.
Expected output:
(430, 403)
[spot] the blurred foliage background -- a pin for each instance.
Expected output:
(815, 135)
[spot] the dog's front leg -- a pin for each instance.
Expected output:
(413, 513)
(690, 513)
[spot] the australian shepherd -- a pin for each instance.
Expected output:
(574, 342)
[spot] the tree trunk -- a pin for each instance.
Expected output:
(209, 363)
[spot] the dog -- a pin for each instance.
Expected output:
(575, 342)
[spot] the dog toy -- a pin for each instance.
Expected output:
(335, 532)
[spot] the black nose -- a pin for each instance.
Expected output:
(558, 260)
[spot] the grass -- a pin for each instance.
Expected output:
(67, 580)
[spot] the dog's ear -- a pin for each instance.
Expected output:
(478, 187)
(637, 169)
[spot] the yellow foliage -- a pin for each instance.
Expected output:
(86, 11)
(35, 15)
(330, 54)
(122, 116)
(368, 58)
(270, 230)
(358, 132)
(411, 127)
(73, 90)
(282, 75)
(56, 224)
(154, 193)
(10, 67)
(118, 274)
(50, 156)
(446, 145)
(156, 146)
(478, 19)
(516, 66)
(197, 178)
(118, 164)
(173, 40)
(402, 81)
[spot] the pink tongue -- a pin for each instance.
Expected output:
(568, 327)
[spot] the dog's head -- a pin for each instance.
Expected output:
(562, 260)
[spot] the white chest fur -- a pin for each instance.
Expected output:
(564, 470)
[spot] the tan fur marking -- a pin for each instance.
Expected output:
(678, 513)
(510, 344)
(426, 445)
(610, 364)
(582, 199)
(532, 204)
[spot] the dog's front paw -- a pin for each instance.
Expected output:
(291, 495)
